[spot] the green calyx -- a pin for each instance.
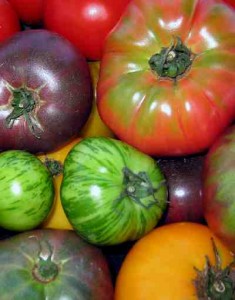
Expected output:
(45, 270)
(213, 282)
(172, 62)
(139, 186)
(23, 104)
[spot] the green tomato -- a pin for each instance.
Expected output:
(111, 192)
(26, 190)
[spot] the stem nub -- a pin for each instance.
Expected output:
(45, 270)
(172, 62)
(138, 187)
(23, 104)
(213, 282)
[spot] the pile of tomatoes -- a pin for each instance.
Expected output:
(117, 149)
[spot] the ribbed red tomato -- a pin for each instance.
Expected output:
(167, 76)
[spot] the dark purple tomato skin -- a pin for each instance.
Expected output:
(57, 77)
(53, 264)
(184, 181)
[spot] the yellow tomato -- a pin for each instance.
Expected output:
(57, 218)
(171, 261)
(94, 125)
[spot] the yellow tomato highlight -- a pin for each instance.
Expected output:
(57, 218)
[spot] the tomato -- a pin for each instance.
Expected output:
(185, 184)
(219, 187)
(46, 91)
(26, 191)
(55, 161)
(52, 264)
(86, 23)
(9, 22)
(230, 2)
(176, 261)
(111, 192)
(30, 12)
(165, 84)
(95, 126)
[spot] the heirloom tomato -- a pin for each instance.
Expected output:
(111, 192)
(46, 91)
(54, 161)
(184, 181)
(26, 190)
(219, 187)
(53, 265)
(180, 261)
(30, 12)
(95, 126)
(9, 22)
(167, 76)
(86, 23)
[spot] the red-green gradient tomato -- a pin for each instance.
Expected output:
(167, 76)
(219, 187)
(53, 265)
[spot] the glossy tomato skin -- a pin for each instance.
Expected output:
(161, 265)
(168, 117)
(73, 269)
(57, 218)
(94, 125)
(111, 193)
(86, 23)
(9, 22)
(26, 191)
(43, 73)
(30, 12)
(219, 187)
(184, 177)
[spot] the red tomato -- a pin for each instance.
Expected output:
(85, 23)
(166, 82)
(230, 2)
(29, 11)
(9, 22)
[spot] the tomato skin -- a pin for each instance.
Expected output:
(85, 23)
(57, 218)
(111, 193)
(219, 188)
(73, 269)
(94, 125)
(161, 264)
(9, 22)
(47, 82)
(230, 2)
(158, 116)
(30, 12)
(26, 191)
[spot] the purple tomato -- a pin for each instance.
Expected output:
(46, 91)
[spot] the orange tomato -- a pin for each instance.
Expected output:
(57, 218)
(162, 264)
(95, 126)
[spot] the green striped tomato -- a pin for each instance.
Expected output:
(26, 190)
(111, 192)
